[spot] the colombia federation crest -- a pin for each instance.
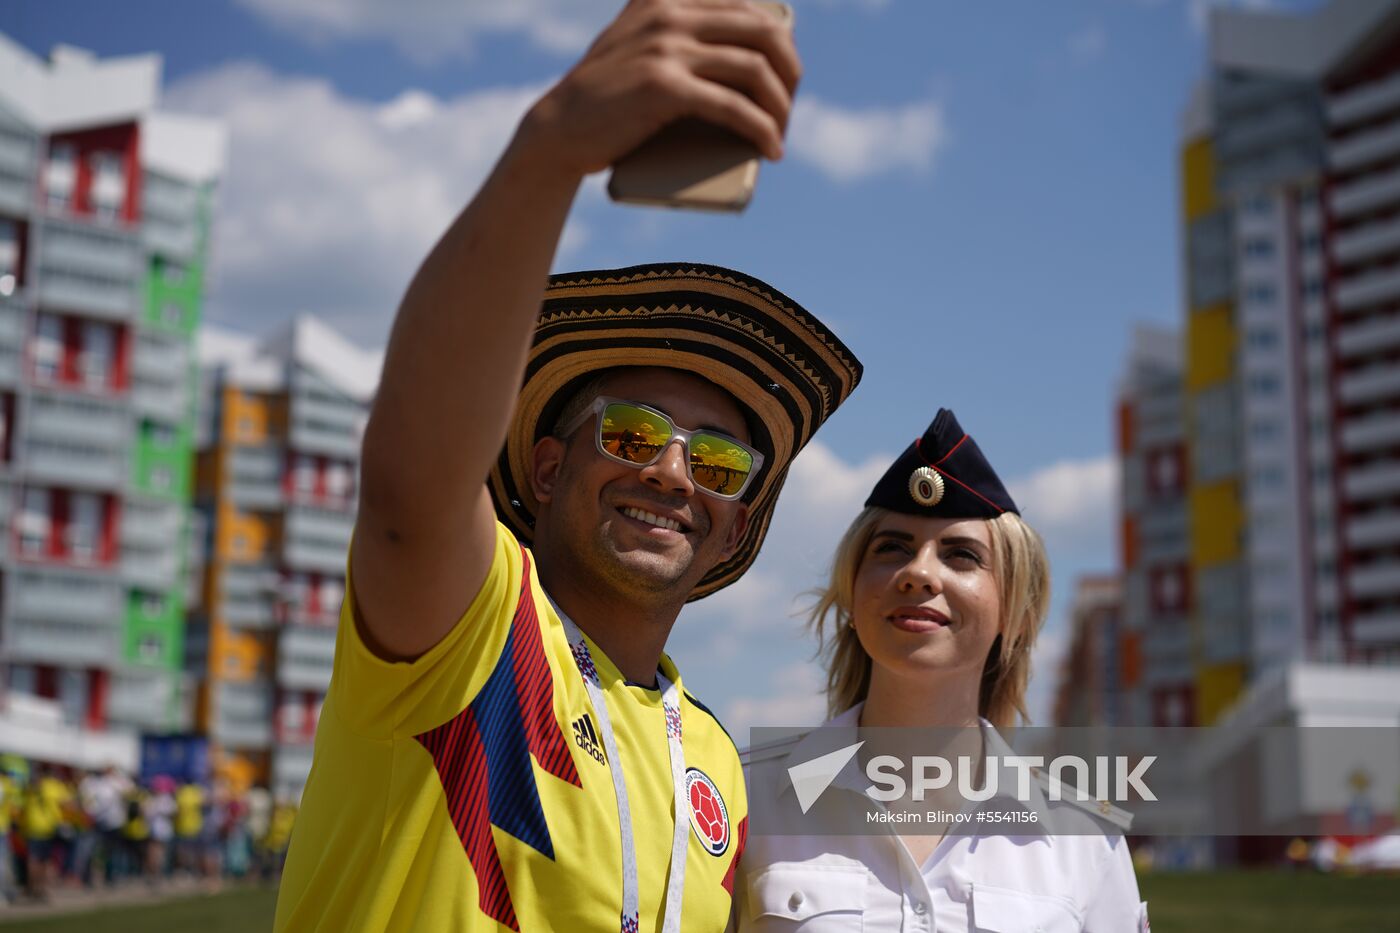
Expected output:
(709, 817)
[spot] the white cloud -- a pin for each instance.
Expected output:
(330, 202)
(796, 698)
(847, 144)
(431, 30)
(1088, 44)
(1073, 504)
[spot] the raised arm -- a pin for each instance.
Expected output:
(425, 531)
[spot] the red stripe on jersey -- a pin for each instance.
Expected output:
(463, 773)
(742, 837)
(535, 687)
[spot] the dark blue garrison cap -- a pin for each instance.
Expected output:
(943, 475)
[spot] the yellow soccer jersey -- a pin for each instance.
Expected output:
(469, 789)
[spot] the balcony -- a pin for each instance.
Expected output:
(1365, 148)
(151, 524)
(1359, 292)
(1367, 337)
(150, 700)
(1364, 102)
(12, 330)
(1378, 529)
(1376, 627)
(77, 419)
(1371, 384)
(60, 595)
(161, 359)
(1376, 481)
(1375, 580)
(1365, 195)
(168, 199)
(175, 240)
(246, 613)
(96, 296)
(66, 644)
(317, 540)
(1367, 242)
(17, 153)
(152, 569)
(16, 194)
(304, 657)
(1374, 432)
(159, 401)
(242, 714)
(63, 463)
(88, 250)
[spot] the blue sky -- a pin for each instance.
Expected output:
(980, 198)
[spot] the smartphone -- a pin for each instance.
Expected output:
(692, 164)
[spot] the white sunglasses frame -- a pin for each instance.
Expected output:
(678, 433)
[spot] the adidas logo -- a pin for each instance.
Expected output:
(587, 739)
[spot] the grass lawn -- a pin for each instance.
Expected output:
(1229, 902)
(242, 911)
(1271, 902)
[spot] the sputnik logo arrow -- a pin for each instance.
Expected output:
(811, 778)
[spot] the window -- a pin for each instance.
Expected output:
(9, 257)
(1260, 293)
(48, 348)
(1312, 287)
(1310, 242)
(304, 474)
(162, 435)
(84, 525)
(151, 647)
(99, 352)
(338, 480)
(172, 273)
(61, 175)
(1259, 248)
(171, 314)
(108, 191)
(1262, 338)
(152, 605)
(1263, 430)
(1264, 384)
(34, 521)
(1258, 205)
(160, 478)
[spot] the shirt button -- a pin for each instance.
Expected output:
(920, 908)
(796, 900)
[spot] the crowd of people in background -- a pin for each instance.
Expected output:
(61, 826)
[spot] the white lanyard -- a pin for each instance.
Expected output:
(671, 703)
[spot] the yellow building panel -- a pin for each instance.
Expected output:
(241, 769)
(235, 654)
(252, 419)
(1210, 347)
(1217, 686)
(242, 536)
(1197, 179)
(1217, 520)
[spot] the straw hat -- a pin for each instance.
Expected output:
(779, 362)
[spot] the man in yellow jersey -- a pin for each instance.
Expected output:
(504, 745)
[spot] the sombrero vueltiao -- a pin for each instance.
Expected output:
(745, 336)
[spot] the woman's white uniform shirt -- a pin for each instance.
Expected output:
(997, 883)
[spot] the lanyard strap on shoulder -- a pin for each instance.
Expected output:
(670, 701)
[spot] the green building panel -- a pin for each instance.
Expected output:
(174, 288)
(155, 629)
(163, 460)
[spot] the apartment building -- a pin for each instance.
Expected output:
(105, 208)
(279, 443)
(1290, 213)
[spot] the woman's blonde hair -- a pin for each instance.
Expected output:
(1022, 572)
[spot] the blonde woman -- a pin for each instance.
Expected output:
(937, 591)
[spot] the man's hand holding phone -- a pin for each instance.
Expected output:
(723, 69)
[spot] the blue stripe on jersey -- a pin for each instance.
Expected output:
(514, 801)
